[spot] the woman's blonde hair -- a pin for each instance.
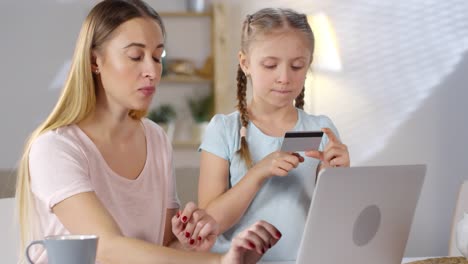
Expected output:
(78, 97)
(262, 22)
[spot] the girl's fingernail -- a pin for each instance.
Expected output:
(187, 234)
(192, 241)
(199, 238)
(184, 219)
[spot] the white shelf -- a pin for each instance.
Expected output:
(185, 144)
(184, 79)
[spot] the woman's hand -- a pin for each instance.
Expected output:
(194, 228)
(278, 163)
(250, 245)
(335, 153)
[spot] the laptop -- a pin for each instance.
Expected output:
(361, 215)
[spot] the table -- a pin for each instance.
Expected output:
(437, 260)
(408, 260)
(430, 260)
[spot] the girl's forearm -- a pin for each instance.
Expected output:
(228, 208)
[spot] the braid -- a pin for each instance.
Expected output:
(299, 102)
(244, 116)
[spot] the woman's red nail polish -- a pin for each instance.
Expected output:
(184, 219)
(278, 234)
(192, 241)
(251, 245)
(199, 238)
(187, 234)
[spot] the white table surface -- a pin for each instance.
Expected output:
(405, 260)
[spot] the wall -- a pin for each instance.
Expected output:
(9, 232)
(401, 95)
(33, 47)
(434, 134)
(38, 39)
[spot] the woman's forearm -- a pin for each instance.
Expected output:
(125, 250)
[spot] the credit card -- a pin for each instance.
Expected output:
(295, 141)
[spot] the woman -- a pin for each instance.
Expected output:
(96, 166)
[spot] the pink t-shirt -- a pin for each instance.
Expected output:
(65, 162)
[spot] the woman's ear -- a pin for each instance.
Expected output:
(244, 63)
(94, 61)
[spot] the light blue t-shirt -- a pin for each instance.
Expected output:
(282, 201)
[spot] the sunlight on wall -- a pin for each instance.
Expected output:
(393, 59)
(326, 55)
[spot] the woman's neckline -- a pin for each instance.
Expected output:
(95, 149)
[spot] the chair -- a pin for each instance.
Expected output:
(460, 208)
(9, 234)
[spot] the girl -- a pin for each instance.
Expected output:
(241, 167)
(96, 166)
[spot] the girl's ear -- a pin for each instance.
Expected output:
(244, 63)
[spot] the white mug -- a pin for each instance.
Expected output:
(70, 249)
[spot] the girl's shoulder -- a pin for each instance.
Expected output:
(227, 121)
(318, 120)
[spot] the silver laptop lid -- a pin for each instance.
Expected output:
(361, 215)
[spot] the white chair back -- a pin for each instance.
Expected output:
(460, 208)
(9, 232)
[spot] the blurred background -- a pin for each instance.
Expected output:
(392, 75)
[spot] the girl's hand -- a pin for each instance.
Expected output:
(194, 228)
(335, 154)
(278, 163)
(250, 245)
